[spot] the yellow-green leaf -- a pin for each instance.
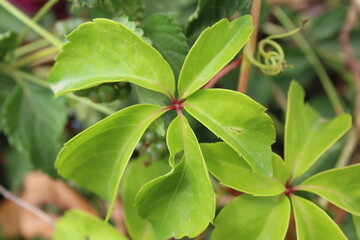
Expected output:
(239, 121)
(312, 223)
(308, 135)
(182, 202)
(340, 186)
(107, 51)
(233, 171)
(96, 158)
(253, 218)
(215, 47)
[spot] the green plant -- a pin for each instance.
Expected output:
(267, 200)
(106, 51)
(148, 153)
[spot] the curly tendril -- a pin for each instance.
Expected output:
(270, 57)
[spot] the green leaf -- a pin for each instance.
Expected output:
(253, 218)
(214, 48)
(96, 158)
(210, 11)
(167, 37)
(239, 121)
(356, 220)
(107, 51)
(136, 175)
(7, 86)
(33, 122)
(313, 223)
(124, 20)
(78, 225)
(8, 42)
(308, 135)
(233, 171)
(340, 186)
(182, 202)
(17, 166)
(280, 170)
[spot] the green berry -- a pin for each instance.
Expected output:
(93, 95)
(107, 93)
(152, 153)
(149, 137)
(160, 147)
(124, 92)
(92, 3)
(122, 84)
(82, 93)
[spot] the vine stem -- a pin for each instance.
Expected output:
(30, 23)
(103, 109)
(35, 56)
(43, 10)
(325, 80)
(30, 47)
(228, 68)
(31, 208)
(249, 48)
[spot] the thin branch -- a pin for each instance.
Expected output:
(18, 201)
(352, 62)
(42, 82)
(228, 68)
(249, 48)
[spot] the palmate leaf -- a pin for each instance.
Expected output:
(312, 222)
(239, 121)
(96, 158)
(340, 186)
(138, 174)
(167, 37)
(215, 47)
(308, 135)
(107, 51)
(253, 218)
(182, 202)
(78, 225)
(33, 122)
(233, 171)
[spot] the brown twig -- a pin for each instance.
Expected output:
(352, 62)
(38, 212)
(250, 47)
(228, 68)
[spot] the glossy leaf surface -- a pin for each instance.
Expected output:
(253, 218)
(214, 48)
(233, 171)
(107, 51)
(96, 158)
(308, 135)
(138, 174)
(33, 122)
(340, 186)
(167, 37)
(182, 202)
(239, 121)
(78, 225)
(313, 223)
